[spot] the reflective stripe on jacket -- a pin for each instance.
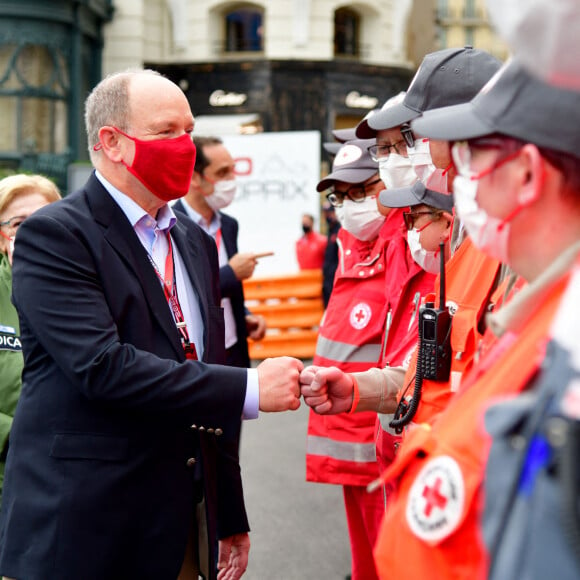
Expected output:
(341, 448)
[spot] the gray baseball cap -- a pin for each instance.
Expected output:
(446, 77)
(344, 135)
(331, 147)
(415, 195)
(352, 164)
(515, 104)
(341, 136)
(363, 131)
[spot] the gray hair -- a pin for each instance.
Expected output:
(108, 104)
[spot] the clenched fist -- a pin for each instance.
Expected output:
(279, 384)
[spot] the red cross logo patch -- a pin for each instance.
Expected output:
(360, 315)
(436, 499)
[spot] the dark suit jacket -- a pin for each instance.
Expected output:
(231, 287)
(100, 480)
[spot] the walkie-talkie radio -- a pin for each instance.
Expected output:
(435, 334)
(434, 358)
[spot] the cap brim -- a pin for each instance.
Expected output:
(347, 176)
(392, 117)
(417, 194)
(455, 123)
(398, 197)
(363, 131)
(332, 148)
(344, 135)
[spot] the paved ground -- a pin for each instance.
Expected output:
(298, 529)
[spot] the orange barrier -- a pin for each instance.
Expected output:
(292, 306)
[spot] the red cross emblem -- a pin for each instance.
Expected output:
(434, 497)
(360, 315)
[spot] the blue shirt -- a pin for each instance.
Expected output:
(152, 234)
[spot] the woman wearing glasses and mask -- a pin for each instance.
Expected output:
(20, 196)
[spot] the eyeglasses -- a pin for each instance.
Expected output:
(11, 225)
(356, 193)
(378, 152)
(410, 217)
(462, 154)
(408, 135)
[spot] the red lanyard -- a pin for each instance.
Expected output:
(170, 291)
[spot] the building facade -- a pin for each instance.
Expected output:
(466, 22)
(50, 57)
(266, 65)
(271, 65)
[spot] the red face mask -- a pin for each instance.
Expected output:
(163, 166)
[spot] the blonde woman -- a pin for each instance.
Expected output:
(20, 196)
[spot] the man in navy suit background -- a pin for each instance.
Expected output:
(213, 188)
(125, 422)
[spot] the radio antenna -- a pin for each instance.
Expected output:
(442, 300)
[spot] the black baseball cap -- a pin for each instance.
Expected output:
(415, 195)
(446, 77)
(352, 164)
(513, 103)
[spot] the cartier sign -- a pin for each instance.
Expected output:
(220, 98)
(355, 100)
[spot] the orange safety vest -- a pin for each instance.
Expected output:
(431, 527)
(470, 276)
(501, 295)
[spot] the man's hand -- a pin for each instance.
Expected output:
(278, 383)
(256, 325)
(327, 390)
(243, 265)
(233, 556)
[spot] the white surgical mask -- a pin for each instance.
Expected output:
(223, 194)
(431, 176)
(437, 181)
(429, 261)
(396, 171)
(488, 233)
(361, 219)
(420, 158)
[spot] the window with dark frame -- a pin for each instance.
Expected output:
(244, 31)
(346, 33)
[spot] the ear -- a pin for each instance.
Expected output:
(446, 234)
(110, 143)
(532, 175)
(195, 182)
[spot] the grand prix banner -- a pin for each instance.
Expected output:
(277, 175)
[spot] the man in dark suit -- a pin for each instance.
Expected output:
(123, 424)
(213, 188)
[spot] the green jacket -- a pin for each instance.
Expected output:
(11, 361)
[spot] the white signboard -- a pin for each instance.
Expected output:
(277, 174)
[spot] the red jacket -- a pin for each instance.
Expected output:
(310, 250)
(407, 284)
(341, 448)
